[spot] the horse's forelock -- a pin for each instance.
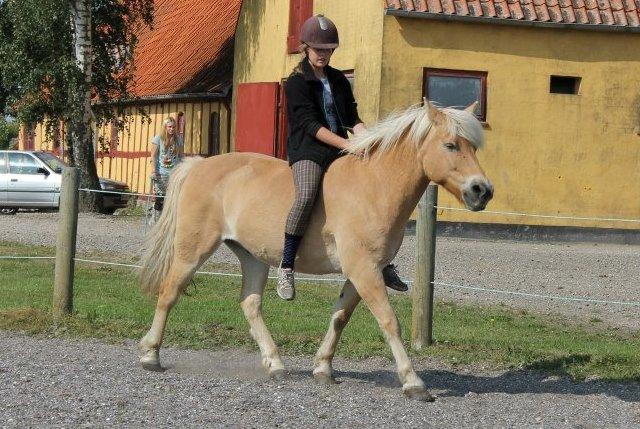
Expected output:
(466, 125)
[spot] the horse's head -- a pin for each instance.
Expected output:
(448, 155)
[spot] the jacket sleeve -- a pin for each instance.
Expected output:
(301, 106)
(351, 105)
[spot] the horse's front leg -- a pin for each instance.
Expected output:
(369, 283)
(342, 311)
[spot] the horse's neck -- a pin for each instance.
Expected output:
(398, 179)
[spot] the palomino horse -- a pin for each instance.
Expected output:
(357, 225)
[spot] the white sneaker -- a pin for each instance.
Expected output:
(286, 287)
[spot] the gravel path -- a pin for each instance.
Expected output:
(595, 271)
(68, 383)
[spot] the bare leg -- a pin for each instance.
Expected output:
(369, 283)
(342, 311)
(254, 279)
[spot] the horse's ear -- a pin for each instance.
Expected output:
(471, 108)
(434, 113)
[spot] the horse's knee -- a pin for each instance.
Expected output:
(251, 306)
(340, 319)
(389, 325)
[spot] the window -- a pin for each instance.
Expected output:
(299, 12)
(214, 133)
(29, 137)
(351, 77)
(564, 85)
(114, 138)
(22, 163)
(3, 163)
(457, 88)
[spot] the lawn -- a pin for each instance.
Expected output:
(109, 306)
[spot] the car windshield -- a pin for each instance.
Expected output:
(54, 163)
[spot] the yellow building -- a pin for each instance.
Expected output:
(558, 81)
(183, 70)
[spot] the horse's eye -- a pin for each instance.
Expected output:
(452, 146)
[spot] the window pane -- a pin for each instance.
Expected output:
(455, 91)
(3, 164)
(20, 163)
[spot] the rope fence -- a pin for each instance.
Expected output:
(423, 286)
(341, 280)
(602, 219)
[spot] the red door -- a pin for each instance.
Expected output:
(281, 139)
(256, 119)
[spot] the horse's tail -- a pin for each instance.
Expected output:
(158, 247)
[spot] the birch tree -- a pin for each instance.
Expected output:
(63, 61)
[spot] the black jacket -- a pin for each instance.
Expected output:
(306, 116)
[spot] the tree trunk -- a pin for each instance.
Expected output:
(83, 155)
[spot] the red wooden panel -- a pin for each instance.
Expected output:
(281, 139)
(256, 117)
(299, 12)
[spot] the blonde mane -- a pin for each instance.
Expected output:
(415, 124)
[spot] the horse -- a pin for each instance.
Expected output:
(357, 225)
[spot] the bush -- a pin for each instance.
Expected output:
(8, 131)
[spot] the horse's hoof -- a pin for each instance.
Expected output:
(152, 366)
(324, 378)
(419, 394)
(277, 375)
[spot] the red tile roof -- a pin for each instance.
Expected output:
(189, 49)
(584, 14)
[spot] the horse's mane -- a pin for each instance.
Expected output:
(415, 123)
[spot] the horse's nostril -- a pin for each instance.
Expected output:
(477, 189)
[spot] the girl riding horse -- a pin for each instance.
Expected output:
(321, 108)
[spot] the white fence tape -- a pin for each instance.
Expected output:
(340, 280)
(602, 219)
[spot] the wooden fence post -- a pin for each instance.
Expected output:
(66, 245)
(422, 291)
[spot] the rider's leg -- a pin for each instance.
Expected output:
(307, 178)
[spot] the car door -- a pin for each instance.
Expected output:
(28, 185)
(4, 178)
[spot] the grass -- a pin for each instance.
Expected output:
(109, 306)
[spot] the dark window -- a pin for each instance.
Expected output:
(29, 137)
(214, 133)
(22, 163)
(351, 77)
(114, 138)
(457, 88)
(299, 12)
(564, 84)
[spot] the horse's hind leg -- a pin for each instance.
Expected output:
(342, 311)
(172, 286)
(183, 266)
(254, 279)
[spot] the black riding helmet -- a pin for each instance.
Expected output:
(319, 32)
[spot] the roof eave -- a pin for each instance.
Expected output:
(512, 22)
(167, 98)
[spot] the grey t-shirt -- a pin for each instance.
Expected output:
(167, 158)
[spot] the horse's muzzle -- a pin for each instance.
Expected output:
(477, 193)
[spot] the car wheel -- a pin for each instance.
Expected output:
(8, 210)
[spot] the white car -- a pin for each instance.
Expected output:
(31, 179)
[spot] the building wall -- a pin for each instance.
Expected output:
(129, 161)
(261, 46)
(574, 155)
